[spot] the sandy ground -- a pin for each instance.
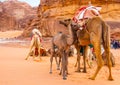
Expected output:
(10, 34)
(17, 71)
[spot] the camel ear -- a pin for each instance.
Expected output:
(60, 22)
(69, 19)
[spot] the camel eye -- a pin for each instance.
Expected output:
(69, 19)
(65, 20)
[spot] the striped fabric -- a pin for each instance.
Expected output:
(86, 12)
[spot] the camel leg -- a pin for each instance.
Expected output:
(39, 53)
(31, 47)
(78, 59)
(34, 54)
(87, 61)
(27, 56)
(107, 51)
(112, 59)
(100, 63)
(61, 69)
(67, 65)
(84, 58)
(58, 68)
(66, 69)
(89, 57)
(64, 65)
(51, 60)
(75, 64)
(66, 56)
(109, 66)
(59, 60)
(78, 63)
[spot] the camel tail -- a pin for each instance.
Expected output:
(106, 35)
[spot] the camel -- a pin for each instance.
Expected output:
(35, 44)
(112, 58)
(89, 57)
(95, 32)
(63, 43)
(54, 52)
(74, 26)
(43, 52)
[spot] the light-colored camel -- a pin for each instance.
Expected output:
(95, 32)
(35, 44)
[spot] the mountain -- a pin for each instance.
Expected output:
(15, 14)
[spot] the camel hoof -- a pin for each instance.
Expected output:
(58, 68)
(68, 73)
(84, 71)
(64, 78)
(110, 79)
(60, 73)
(91, 78)
(78, 71)
(37, 60)
(75, 65)
(50, 72)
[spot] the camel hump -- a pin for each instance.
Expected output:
(97, 18)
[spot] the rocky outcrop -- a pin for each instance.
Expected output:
(15, 14)
(50, 12)
(7, 21)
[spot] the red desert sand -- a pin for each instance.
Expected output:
(15, 70)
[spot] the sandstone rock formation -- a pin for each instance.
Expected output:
(51, 11)
(15, 14)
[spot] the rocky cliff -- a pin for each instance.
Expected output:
(51, 11)
(15, 14)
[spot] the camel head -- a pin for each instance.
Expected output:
(65, 22)
(70, 22)
(36, 32)
(82, 22)
(75, 26)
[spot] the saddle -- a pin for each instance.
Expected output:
(36, 51)
(42, 52)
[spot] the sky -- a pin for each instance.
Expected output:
(33, 3)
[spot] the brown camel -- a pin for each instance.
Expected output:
(89, 58)
(112, 58)
(63, 43)
(74, 26)
(95, 32)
